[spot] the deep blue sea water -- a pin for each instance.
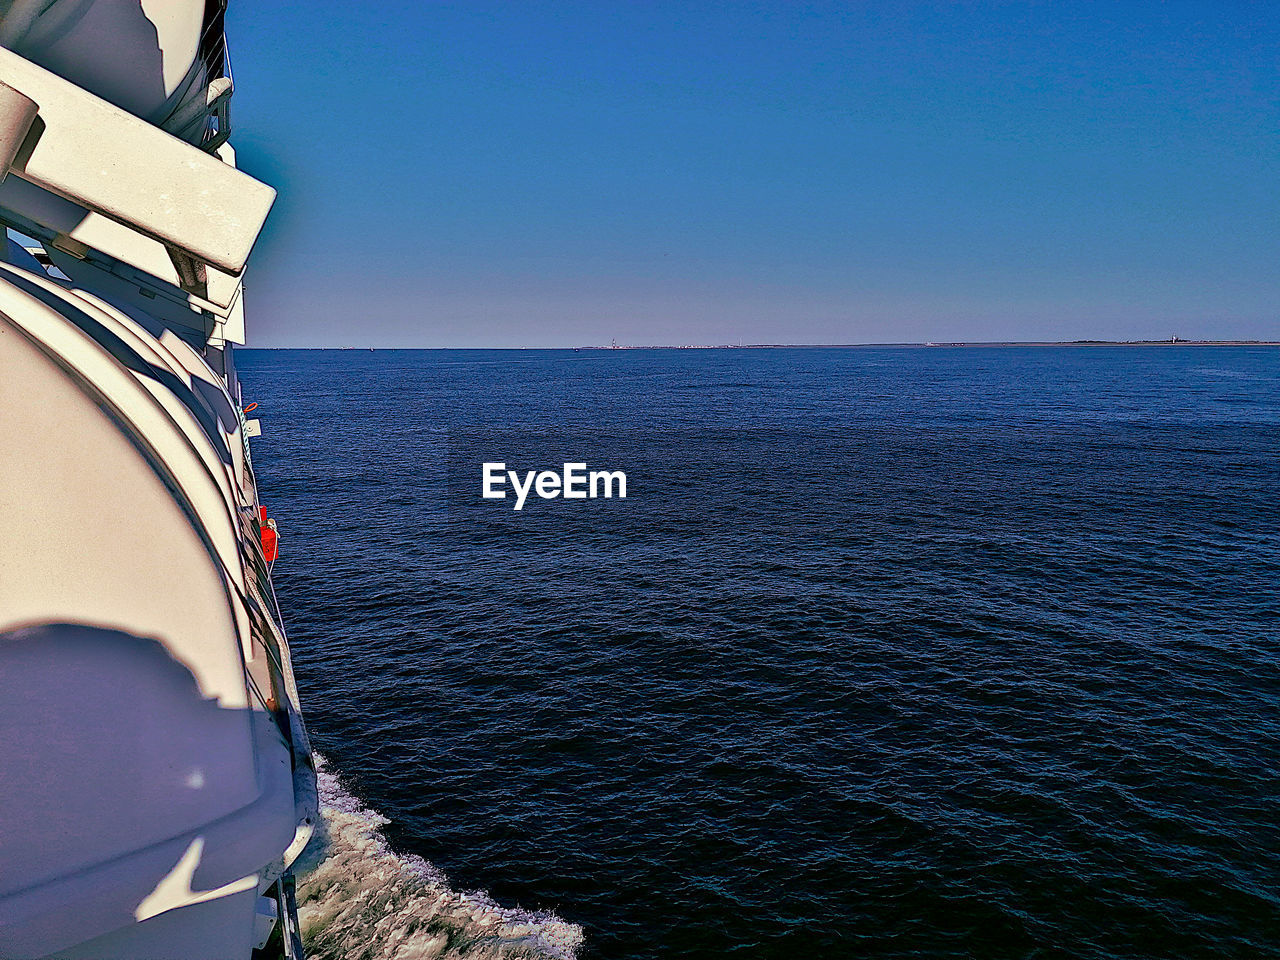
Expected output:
(889, 653)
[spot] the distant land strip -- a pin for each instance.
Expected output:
(1179, 342)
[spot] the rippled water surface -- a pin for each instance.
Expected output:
(888, 653)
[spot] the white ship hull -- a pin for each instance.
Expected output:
(158, 782)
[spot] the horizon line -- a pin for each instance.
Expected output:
(1172, 342)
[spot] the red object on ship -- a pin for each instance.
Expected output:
(270, 539)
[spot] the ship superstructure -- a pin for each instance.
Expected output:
(156, 782)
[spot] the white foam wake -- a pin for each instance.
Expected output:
(360, 900)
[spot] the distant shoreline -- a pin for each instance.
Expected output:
(839, 346)
(971, 343)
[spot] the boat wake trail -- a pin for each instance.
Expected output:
(358, 898)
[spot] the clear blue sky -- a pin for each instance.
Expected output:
(530, 174)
